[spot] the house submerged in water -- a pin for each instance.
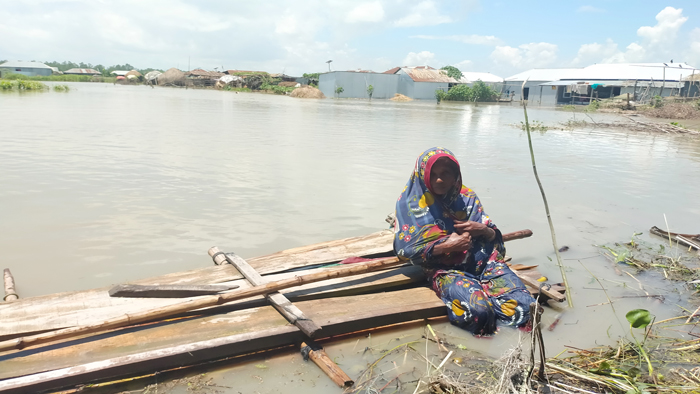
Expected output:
(415, 82)
(561, 86)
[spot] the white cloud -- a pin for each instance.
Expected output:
(366, 12)
(589, 8)
(657, 43)
(418, 59)
(592, 53)
(536, 54)
(694, 51)
(669, 21)
(425, 13)
(464, 65)
(467, 39)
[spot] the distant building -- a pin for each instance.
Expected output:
(470, 77)
(29, 69)
(119, 73)
(578, 85)
(415, 82)
(82, 71)
(56, 71)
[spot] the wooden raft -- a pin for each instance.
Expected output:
(244, 326)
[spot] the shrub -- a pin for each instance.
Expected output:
(657, 101)
(440, 95)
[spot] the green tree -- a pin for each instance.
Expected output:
(339, 90)
(370, 91)
(453, 72)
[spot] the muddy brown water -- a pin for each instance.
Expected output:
(106, 184)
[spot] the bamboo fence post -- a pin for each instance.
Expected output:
(10, 292)
(203, 302)
(546, 206)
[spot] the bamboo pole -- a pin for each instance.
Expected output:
(10, 292)
(546, 207)
(320, 358)
(204, 302)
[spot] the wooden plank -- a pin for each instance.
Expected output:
(69, 309)
(201, 302)
(29, 317)
(138, 351)
(167, 291)
(293, 314)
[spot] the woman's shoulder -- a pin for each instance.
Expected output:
(467, 192)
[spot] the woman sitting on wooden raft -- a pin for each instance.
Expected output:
(441, 226)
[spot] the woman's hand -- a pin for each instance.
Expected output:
(475, 229)
(454, 243)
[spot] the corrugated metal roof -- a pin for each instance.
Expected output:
(21, 64)
(470, 77)
(203, 73)
(392, 71)
(244, 72)
(119, 72)
(543, 74)
(428, 74)
(85, 71)
(611, 72)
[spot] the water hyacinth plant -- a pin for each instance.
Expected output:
(22, 85)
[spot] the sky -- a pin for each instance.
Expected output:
(295, 37)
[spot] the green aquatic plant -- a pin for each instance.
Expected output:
(61, 88)
(6, 85)
(640, 318)
(536, 125)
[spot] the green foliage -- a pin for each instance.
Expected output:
(453, 72)
(22, 85)
(459, 93)
(339, 90)
(535, 125)
(483, 92)
(678, 124)
(593, 106)
(370, 91)
(276, 89)
(638, 318)
(229, 88)
(440, 95)
(657, 101)
(61, 88)
(479, 91)
(61, 78)
(568, 107)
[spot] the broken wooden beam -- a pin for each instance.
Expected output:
(290, 312)
(10, 292)
(320, 358)
(167, 291)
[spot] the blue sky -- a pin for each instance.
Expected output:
(502, 37)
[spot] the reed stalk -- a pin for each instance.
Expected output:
(546, 206)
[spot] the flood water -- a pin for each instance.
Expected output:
(107, 183)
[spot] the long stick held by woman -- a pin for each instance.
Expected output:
(441, 226)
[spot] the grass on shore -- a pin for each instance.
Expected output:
(60, 78)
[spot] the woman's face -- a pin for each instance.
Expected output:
(442, 177)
